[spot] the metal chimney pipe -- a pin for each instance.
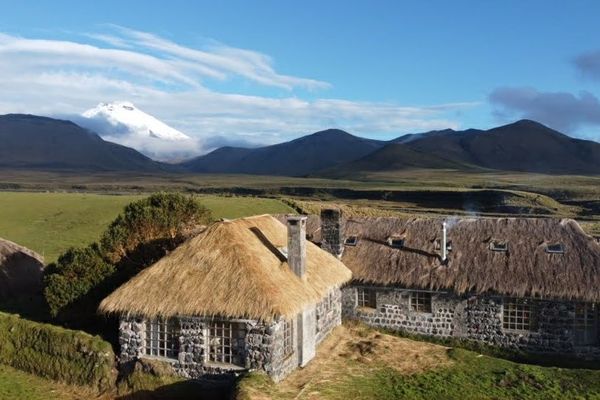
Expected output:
(444, 242)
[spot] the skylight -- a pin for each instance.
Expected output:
(555, 248)
(351, 241)
(397, 243)
(497, 245)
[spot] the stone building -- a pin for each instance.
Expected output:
(518, 283)
(244, 294)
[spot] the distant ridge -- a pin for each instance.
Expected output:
(33, 142)
(298, 157)
(523, 146)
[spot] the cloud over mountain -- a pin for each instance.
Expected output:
(176, 84)
(560, 110)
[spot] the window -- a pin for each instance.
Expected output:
(585, 326)
(351, 241)
(519, 314)
(162, 338)
(367, 298)
(555, 248)
(288, 337)
(224, 342)
(396, 242)
(420, 302)
(497, 245)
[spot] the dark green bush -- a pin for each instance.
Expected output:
(142, 234)
(74, 274)
(53, 352)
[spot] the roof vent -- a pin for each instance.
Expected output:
(555, 248)
(498, 245)
(351, 241)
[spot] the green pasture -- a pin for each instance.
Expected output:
(50, 223)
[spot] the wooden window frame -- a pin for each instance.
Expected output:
(585, 325)
(288, 337)
(162, 338)
(519, 315)
(222, 337)
(366, 298)
(421, 302)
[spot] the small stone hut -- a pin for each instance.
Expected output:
(21, 270)
(519, 283)
(244, 294)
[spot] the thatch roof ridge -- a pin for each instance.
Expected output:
(228, 270)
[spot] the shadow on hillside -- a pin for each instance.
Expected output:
(186, 390)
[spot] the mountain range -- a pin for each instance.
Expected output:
(33, 142)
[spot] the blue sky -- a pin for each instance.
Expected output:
(375, 68)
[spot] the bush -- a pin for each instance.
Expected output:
(142, 234)
(74, 274)
(72, 357)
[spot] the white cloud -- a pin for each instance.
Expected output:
(171, 82)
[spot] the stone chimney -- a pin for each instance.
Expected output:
(296, 248)
(332, 231)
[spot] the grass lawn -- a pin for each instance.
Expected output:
(357, 362)
(49, 223)
(18, 385)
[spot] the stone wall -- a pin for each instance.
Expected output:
(131, 338)
(261, 348)
(329, 314)
(472, 317)
(283, 364)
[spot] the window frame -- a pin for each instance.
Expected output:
(351, 241)
(221, 343)
(519, 315)
(555, 248)
(499, 246)
(366, 298)
(165, 333)
(586, 322)
(396, 242)
(288, 337)
(420, 302)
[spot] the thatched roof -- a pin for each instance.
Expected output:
(21, 270)
(525, 269)
(232, 269)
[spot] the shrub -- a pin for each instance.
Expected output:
(142, 234)
(74, 274)
(72, 357)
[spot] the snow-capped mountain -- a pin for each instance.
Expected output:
(122, 122)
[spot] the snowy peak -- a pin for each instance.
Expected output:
(123, 123)
(138, 122)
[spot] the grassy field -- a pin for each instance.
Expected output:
(357, 362)
(49, 223)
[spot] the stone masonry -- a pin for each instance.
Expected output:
(260, 345)
(329, 314)
(477, 318)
